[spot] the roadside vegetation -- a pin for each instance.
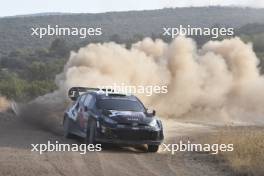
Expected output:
(25, 74)
(248, 155)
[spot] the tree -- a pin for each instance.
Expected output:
(115, 38)
(12, 87)
(59, 47)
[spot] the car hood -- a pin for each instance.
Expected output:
(130, 117)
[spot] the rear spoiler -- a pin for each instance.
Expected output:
(75, 92)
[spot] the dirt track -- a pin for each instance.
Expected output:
(17, 159)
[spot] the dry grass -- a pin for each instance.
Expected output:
(248, 155)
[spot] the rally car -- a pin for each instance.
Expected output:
(102, 117)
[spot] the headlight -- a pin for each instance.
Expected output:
(153, 123)
(108, 120)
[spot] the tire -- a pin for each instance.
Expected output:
(66, 128)
(153, 148)
(91, 131)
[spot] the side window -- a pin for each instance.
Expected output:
(89, 101)
(92, 102)
(79, 102)
(82, 98)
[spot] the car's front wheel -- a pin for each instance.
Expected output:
(153, 148)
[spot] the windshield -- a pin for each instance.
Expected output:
(121, 105)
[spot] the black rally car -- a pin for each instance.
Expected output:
(103, 117)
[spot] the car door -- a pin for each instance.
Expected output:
(79, 109)
(88, 109)
(74, 110)
(73, 113)
(83, 113)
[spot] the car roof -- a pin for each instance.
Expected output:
(103, 95)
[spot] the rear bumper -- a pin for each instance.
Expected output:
(129, 136)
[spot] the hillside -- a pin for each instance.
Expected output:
(15, 31)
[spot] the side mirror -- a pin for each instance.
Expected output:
(151, 112)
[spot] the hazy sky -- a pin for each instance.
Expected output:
(18, 7)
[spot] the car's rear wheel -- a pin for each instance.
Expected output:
(90, 137)
(153, 148)
(66, 128)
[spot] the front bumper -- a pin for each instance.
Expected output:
(129, 135)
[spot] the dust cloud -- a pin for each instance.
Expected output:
(220, 80)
